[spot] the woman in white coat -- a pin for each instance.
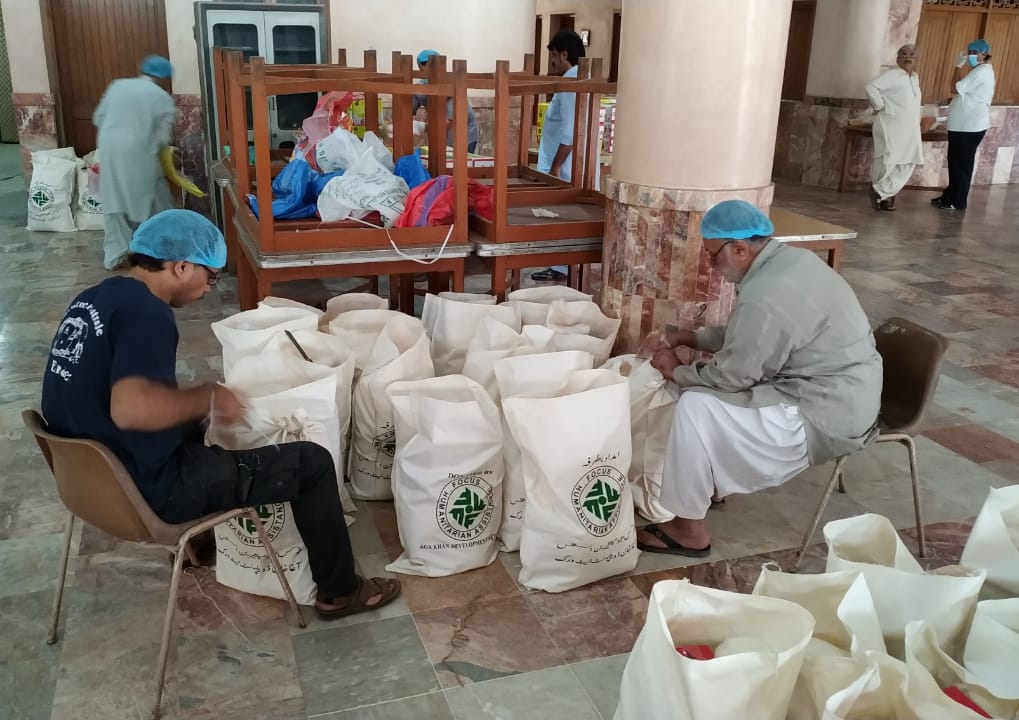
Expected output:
(895, 98)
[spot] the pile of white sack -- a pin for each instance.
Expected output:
(491, 426)
(62, 197)
(875, 636)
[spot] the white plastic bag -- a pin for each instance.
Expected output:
(755, 684)
(252, 331)
(88, 208)
(379, 150)
(365, 187)
(902, 591)
(288, 399)
(447, 476)
(530, 375)
(989, 671)
(339, 150)
(652, 404)
(994, 543)
(51, 191)
(575, 449)
(452, 323)
(399, 353)
(582, 326)
(532, 303)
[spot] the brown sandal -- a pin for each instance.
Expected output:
(357, 602)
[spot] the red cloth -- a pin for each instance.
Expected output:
(431, 203)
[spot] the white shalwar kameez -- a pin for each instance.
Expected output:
(898, 148)
(716, 447)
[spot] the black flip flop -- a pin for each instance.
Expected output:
(671, 546)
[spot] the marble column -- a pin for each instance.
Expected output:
(695, 124)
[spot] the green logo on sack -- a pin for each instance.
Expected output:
(465, 506)
(272, 517)
(596, 499)
(41, 197)
(385, 442)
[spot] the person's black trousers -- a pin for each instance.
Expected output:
(962, 152)
(211, 479)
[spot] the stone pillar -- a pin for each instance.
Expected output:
(695, 124)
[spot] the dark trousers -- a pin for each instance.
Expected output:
(962, 152)
(211, 479)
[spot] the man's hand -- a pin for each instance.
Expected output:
(226, 406)
(665, 362)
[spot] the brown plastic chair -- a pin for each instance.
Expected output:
(94, 486)
(911, 356)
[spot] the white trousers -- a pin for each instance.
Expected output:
(889, 179)
(715, 445)
(117, 233)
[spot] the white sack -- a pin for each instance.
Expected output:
(336, 306)
(993, 543)
(756, 684)
(494, 341)
(281, 302)
(252, 331)
(88, 207)
(652, 404)
(575, 448)
(51, 190)
(532, 303)
(530, 375)
(399, 353)
(451, 324)
(582, 326)
(902, 591)
(447, 475)
(359, 329)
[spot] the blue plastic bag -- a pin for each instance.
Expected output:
(409, 167)
(290, 192)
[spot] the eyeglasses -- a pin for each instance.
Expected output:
(714, 255)
(213, 275)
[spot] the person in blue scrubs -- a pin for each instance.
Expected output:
(555, 151)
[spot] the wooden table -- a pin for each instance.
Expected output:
(257, 271)
(807, 232)
(576, 254)
(866, 131)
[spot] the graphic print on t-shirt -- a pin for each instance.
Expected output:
(74, 331)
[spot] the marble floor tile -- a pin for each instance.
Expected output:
(349, 667)
(486, 640)
(28, 666)
(205, 605)
(600, 679)
(545, 695)
(292, 709)
(975, 442)
(432, 706)
(594, 621)
(491, 582)
(29, 564)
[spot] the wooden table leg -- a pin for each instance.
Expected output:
(406, 301)
(233, 249)
(835, 256)
(263, 284)
(515, 281)
(844, 175)
(499, 278)
(247, 293)
(373, 284)
(458, 276)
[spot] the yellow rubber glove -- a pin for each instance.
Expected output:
(166, 160)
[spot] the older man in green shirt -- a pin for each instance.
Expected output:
(795, 379)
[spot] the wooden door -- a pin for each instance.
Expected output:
(942, 35)
(96, 42)
(797, 53)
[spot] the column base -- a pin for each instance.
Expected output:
(654, 272)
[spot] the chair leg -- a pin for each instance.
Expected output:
(914, 475)
(191, 555)
(59, 595)
(277, 568)
(842, 482)
(836, 475)
(171, 607)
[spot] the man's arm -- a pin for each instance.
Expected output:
(137, 403)
(561, 153)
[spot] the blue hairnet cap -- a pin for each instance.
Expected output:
(157, 66)
(425, 54)
(735, 220)
(180, 235)
(980, 46)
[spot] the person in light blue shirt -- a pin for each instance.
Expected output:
(421, 101)
(555, 151)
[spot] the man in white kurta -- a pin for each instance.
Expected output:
(135, 119)
(895, 98)
(795, 379)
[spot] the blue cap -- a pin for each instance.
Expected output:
(157, 66)
(425, 54)
(180, 235)
(980, 46)
(735, 220)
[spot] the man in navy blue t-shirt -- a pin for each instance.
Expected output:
(111, 377)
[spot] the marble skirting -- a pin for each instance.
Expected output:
(654, 271)
(810, 146)
(189, 138)
(37, 126)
